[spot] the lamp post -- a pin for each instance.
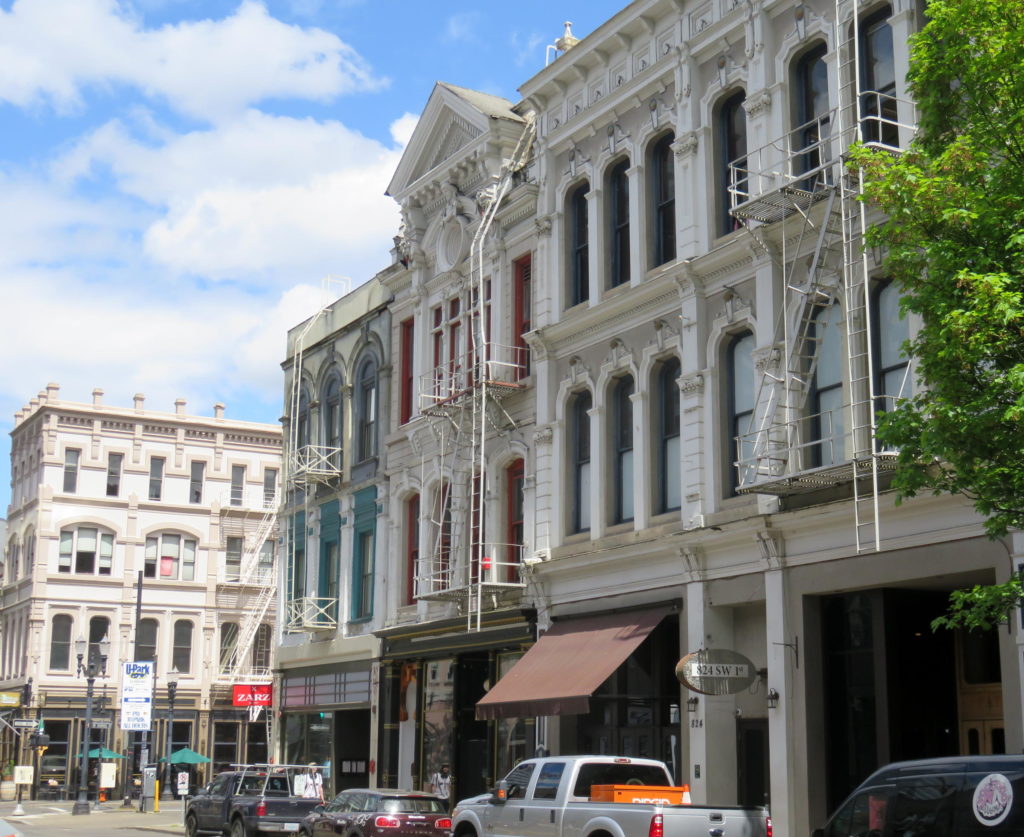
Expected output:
(172, 688)
(95, 667)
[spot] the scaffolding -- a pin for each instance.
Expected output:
(463, 400)
(802, 179)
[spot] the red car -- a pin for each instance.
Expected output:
(380, 813)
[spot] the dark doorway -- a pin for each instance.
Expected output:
(752, 782)
(472, 753)
(351, 768)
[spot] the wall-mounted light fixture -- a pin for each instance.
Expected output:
(691, 703)
(773, 699)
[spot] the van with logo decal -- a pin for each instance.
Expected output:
(958, 796)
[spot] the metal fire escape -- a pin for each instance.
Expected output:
(463, 400)
(802, 180)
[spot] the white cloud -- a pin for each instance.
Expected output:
(51, 49)
(264, 198)
(462, 26)
(402, 128)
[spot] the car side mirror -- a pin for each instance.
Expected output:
(500, 793)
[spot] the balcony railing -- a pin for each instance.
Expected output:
(311, 613)
(496, 566)
(501, 368)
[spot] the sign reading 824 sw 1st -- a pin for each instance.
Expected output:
(716, 671)
(137, 696)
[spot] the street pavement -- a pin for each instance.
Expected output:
(44, 817)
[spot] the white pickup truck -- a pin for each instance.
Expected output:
(551, 797)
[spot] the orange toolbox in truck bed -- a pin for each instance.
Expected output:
(647, 794)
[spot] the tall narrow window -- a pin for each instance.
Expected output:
(579, 238)
(362, 582)
(145, 640)
(623, 448)
(579, 446)
(669, 473)
(233, 559)
(332, 421)
(228, 645)
(181, 655)
(812, 119)
(99, 629)
(114, 464)
(618, 224)
(406, 337)
(237, 484)
(437, 351)
(878, 80)
(412, 546)
(261, 649)
(515, 518)
(892, 370)
(156, 477)
(663, 200)
(740, 445)
(71, 458)
(441, 570)
(269, 487)
(732, 125)
(302, 425)
(476, 530)
(826, 401)
(266, 561)
(170, 556)
(367, 410)
(522, 304)
(195, 485)
(60, 642)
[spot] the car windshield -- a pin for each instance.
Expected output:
(411, 805)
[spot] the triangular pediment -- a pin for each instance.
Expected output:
(452, 122)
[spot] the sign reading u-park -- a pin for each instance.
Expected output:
(137, 696)
(716, 671)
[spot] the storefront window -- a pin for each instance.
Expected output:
(513, 745)
(438, 712)
(225, 745)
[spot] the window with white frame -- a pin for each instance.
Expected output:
(156, 477)
(332, 419)
(668, 468)
(146, 639)
(60, 642)
(578, 243)
(740, 392)
(266, 560)
(228, 645)
(233, 559)
(618, 224)
(237, 485)
(115, 462)
(170, 556)
(891, 366)
(367, 409)
(662, 186)
(579, 452)
(826, 401)
(181, 653)
(622, 448)
(732, 142)
(87, 550)
(195, 483)
(269, 487)
(72, 457)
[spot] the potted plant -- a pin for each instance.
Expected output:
(7, 786)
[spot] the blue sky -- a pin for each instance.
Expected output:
(177, 177)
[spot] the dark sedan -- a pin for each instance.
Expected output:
(380, 813)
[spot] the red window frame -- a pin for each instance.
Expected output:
(515, 529)
(412, 546)
(407, 333)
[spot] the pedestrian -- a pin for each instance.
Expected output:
(314, 787)
(441, 783)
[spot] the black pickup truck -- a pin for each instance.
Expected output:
(250, 800)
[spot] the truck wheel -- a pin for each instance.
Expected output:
(238, 828)
(191, 826)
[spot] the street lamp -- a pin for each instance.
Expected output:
(172, 688)
(96, 666)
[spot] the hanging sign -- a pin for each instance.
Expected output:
(716, 671)
(251, 695)
(137, 696)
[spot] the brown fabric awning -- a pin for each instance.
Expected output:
(562, 670)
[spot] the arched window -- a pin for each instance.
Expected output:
(367, 410)
(146, 639)
(579, 238)
(13, 560)
(228, 645)
(170, 556)
(622, 448)
(892, 369)
(732, 131)
(740, 445)
(60, 643)
(181, 655)
(579, 451)
(878, 79)
(618, 224)
(662, 188)
(826, 402)
(29, 550)
(667, 432)
(302, 436)
(86, 550)
(811, 114)
(332, 420)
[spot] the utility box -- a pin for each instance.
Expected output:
(148, 787)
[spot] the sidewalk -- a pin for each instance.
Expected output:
(168, 821)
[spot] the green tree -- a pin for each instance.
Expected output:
(954, 233)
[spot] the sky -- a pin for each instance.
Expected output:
(180, 178)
